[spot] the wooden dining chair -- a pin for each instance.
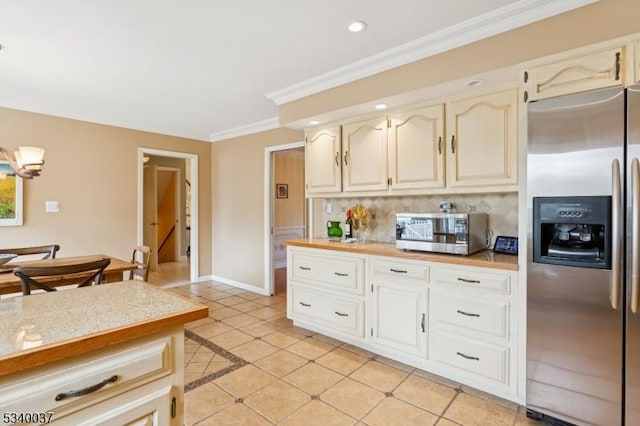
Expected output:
(48, 251)
(140, 257)
(41, 277)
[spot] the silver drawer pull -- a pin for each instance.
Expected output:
(468, 314)
(398, 271)
(304, 268)
(340, 314)
(464, 280)
(304, 304)
(341, 274)
(87, 390)
(474, 358)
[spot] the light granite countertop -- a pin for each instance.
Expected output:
(46, 327)
(484, 258)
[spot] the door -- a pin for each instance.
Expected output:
(632, 356)
(416, 149)
(482, 148)
(323, 161)
(364, 146)
(150, 213)
(574, 328)
(399, 316)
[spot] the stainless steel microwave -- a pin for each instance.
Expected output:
(454, 233)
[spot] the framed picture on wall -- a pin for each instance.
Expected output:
(10, 196)
(282, 190)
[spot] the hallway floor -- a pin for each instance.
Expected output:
(248, 365)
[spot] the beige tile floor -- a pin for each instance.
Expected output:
(271, 372)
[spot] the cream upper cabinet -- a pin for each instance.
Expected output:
(323, 166)
(482, 145)
(364, 146)
(416, 156)
(593, 71)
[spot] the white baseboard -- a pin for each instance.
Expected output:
(238, 284)
(205, 278)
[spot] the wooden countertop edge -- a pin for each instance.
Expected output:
(81, 345)
(427, 257)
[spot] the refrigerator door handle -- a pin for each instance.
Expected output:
(616, 199)
(635, 228)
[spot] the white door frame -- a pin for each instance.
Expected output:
(194, 265)
(268, 210)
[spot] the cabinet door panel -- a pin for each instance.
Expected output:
(416, 151)
(483, 148)
(598, 70)
(365, 155)
(323, 168)
(399, 316)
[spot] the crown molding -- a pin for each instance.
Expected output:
(258, 126)
(506, 18)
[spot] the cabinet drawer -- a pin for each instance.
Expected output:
(334, 272)
(341, 313)
(472, 279)
(475, 357)
(471, 314)
(401, 269)
(116, 373)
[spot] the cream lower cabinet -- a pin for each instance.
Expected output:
(135, 383)
(325, 291)
(472, 316)
(397, 302)
(482, 146)
(459, 322)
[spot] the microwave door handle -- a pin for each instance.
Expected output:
(616, 200)
(635, 228)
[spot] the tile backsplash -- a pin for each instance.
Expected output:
(502, 210)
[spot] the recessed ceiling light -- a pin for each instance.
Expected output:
(356, 26)
(476, 83)
(382, 106)
(314, 122)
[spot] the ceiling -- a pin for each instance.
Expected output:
(209, 69)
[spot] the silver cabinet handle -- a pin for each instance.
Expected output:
(340, 314)
(474, 358)
(304, 268)
(422, 323)
(468, 314)
(305, 304)
(398, 271)
(616, 199)
(439, 145)
(337, 159)
(340, 274)
(464, 280)
(635, 228)
(346, 158)
(453, 144)
(87, 390)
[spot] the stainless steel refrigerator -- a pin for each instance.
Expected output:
(583, 266)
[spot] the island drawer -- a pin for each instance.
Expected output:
(488, 361)
(471, 314)
(344, 273)
(401, 269)
(66, 388)
(472, 278)
(341, 313)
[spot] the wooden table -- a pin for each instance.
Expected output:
(9, 283)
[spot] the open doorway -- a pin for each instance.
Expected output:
(167, 214)
(285, 209)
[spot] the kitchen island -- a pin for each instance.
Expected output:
(460, 317)
(96, 354)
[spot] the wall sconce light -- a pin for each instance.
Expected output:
(27, 162)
